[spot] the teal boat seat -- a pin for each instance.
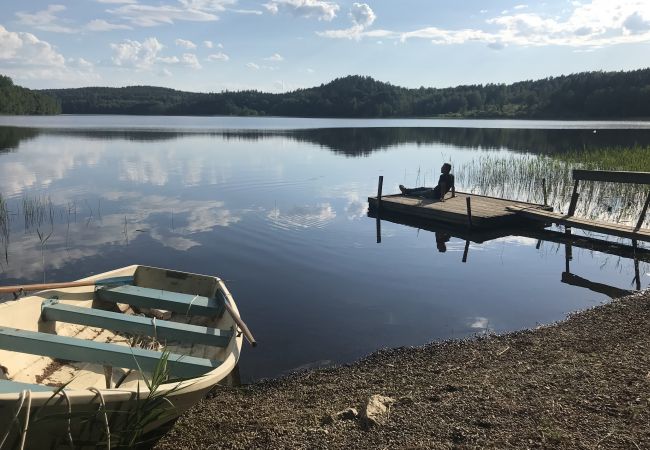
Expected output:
(8, 387)
(75, 349)
(191, 305)
(52, 310)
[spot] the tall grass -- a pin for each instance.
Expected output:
(37, 211)
(519, 177)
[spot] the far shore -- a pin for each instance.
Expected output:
(581, 383)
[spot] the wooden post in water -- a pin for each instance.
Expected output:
(574, 199)
(466, 251)
(380, 185)
(643, 212)
(544, 191)
(378, 230)
(469, 211)
(637, 274)
(568, 250)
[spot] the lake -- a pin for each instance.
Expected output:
(278, 208)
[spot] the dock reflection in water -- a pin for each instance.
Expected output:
(567, 239)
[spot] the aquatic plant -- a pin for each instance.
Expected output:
(36, 211)
(519, 177)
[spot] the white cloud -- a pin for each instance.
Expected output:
(208, 44)
(362, 17)
(150, 16)
(207, 5)
(117, 1)
(24, 56)
(45, 20)
(520, 7)
(595, 24)
(254, 12)
(319, 9)
(146, 55)
(190, 60)
(218, 57)
(185, 44)
(168, 59)
(252, 65)
(276, 57)
(362, 14)
(102, 25)
(141, 55)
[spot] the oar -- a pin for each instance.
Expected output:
(240, 323)
(44, 286)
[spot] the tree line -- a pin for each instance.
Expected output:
(578, 96)
(19, 100)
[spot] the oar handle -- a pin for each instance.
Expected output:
(240, 323)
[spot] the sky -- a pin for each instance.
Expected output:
(282, 45)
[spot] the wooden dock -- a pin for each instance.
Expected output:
(470, 210)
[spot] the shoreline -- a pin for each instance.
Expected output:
(583, 382)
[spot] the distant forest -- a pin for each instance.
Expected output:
(587, 95)
(19, 100)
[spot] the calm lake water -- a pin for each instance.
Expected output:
(277, 207)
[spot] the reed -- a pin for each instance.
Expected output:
(37, 211)
(519, 177)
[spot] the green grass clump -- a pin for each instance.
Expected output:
(635, 159)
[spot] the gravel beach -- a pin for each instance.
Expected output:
(580, 383)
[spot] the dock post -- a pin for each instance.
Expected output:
(637, 274)
(643, 212)
(469, 211)
(544, 191)
(568, 250)
(380, 186)
(465, 251)
(574, 199)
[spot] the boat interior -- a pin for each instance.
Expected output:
(114, 331)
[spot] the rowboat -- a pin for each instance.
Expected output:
(109, 359)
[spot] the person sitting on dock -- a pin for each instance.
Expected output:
(445, 184)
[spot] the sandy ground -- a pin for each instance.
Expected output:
(581, 383)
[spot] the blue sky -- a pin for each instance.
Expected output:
(280, 45)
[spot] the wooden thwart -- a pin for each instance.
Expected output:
(191, 305)
(74, 349)
(144, 326)
(9, 387)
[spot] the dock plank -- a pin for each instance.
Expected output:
(615, 229)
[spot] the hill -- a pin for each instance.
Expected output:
(19, 100)
(614, 95)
